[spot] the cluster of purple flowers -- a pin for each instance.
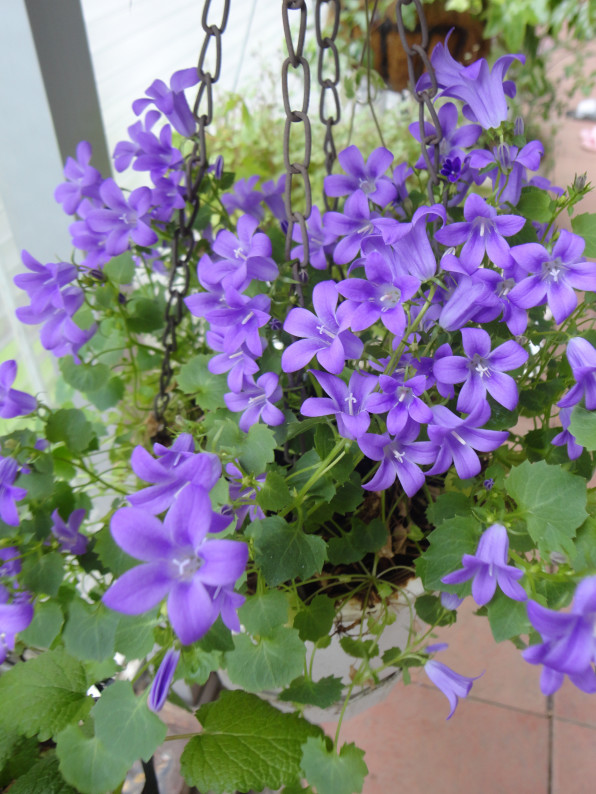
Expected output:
(109, 222)
(16, 609)
(180, 560)
(235, 319)
(568, 646)
(53, 301)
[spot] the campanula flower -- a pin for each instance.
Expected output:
(483, 231)
(175, 467)
(158, 694)
(67, 532)
(568, 644)
(82, 181)
(320, 240)
(171, 101)
(552, 278)
(582, 359)
(400, 457)
(245, 198)
(482, 370)
(359, 175)
(488, 568)
(122, 220)
(12, 401)
(9, 493)
(323, 333)
(565, 437)
(453, 685)
(14, 617)
(458, 439)
(347, 401)
(179, 562)
(256, 401)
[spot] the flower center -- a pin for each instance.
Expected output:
(390, 298)
(504, 287)
(479, 365)
(366, 185)
(458, 437)
(350, 400)
(185, 566)
(399, 456)
(552, 269)
(322, 330)
(239, 253)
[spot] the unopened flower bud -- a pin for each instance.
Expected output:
(518, 126)
(579, 183)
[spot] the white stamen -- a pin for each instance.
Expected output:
(459, 438)
(350, 400)
(322, 330)
(247, 318)
(399, 456)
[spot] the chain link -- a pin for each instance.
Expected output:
(329, 92)
(299, 64)
(424, 97)
(184, 241)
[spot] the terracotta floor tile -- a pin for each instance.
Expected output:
(484, 748)
(507, 678)
(573, 704)
(574, 759)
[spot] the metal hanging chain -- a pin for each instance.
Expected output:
(184, 242)
(425, 97)
(328, 85)
(297, 62)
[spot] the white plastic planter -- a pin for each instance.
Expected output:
(333, 660)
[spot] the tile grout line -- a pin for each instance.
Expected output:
(550, 711)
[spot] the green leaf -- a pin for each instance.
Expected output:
(124, 723)
(9, 738)
(315, 620)
(584, 556)
(284, 552)
(331, 773)
(145, 314)
(448, 543)
(258, 449)
(275, 494)
(245, 743)
(120, 269)
(90, 631)
(533, 402)
(553, 503)
(507, 618)
(585, 226)
(359, 649)
(44, 695)
(43, 778)
(24, 754)
(84, 377)
(583, 427)
(194, 378)
(111, 555)
(109, 395)
(70, 426)
(134, 635)
(323, 693)
(44, 575)
(431, 611)
(262, 614)
(362, 539)
(447, 505)
(534, 204)
(87, 763)
(272, 662)
(45, 626)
